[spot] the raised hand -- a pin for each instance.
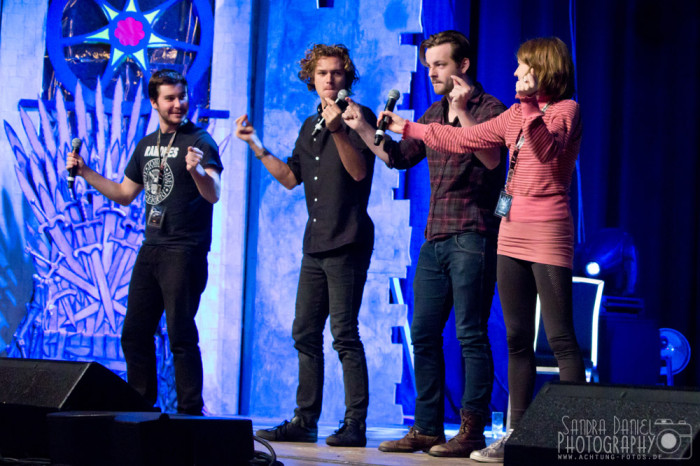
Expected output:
(353, 115)
(527, 86)
(333, 115)
(193, 158)
(75, 160)
(396, 123)
(246, 132)
(244, 129)
(460, 94)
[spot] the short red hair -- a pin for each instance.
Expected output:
(551, 61)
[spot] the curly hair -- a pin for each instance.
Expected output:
(551, 61)
(161, 77)
(308, 63)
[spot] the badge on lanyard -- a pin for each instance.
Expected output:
(156, 216)
(505, 200)
(503, 206)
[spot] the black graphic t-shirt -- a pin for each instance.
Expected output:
(188, 216)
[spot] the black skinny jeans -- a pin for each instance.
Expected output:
(519, 282)
(170, 279)
(331, 285)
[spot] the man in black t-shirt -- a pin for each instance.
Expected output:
(178, 167)
(336, 168)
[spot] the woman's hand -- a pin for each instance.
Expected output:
(396, 123)
(527, 86)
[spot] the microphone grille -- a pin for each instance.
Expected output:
(342, 94)
(77, 142)
(394, 94)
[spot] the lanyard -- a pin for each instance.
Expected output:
(163, 157)
(520, 140)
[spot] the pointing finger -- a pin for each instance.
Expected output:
(458, 81)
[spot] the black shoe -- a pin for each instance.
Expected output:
(290, 431)
(350, 434)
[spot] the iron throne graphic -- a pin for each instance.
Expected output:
(83, 246)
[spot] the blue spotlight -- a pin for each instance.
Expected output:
(609, 255)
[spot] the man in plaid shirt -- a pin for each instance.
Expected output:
(457, 263)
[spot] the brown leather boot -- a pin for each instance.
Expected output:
(413, 441)
(469, 438)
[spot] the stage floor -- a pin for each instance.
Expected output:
(306, 454)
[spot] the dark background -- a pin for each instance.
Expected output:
(637, 79)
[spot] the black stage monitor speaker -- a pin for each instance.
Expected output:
(602, 425)
(81, 438)
(32, 388)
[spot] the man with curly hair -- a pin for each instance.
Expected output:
(336, 168)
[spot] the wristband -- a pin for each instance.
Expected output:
(261, 154)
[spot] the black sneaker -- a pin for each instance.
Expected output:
(350, 434)
(290, 431)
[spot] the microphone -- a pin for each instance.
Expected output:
(342, 94)
(390, 103)
(73, 170)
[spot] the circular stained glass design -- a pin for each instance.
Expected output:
(97, 42)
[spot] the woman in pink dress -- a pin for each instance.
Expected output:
(536, 238)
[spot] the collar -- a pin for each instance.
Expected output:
(544, 101)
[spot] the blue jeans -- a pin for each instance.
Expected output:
(459, 271)
(331, 284)
(170, 279)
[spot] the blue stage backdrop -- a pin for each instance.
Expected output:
(64, 264)
(83, 246)
(276, 222)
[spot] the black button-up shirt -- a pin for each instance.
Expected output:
(463, 192)
(337, 204)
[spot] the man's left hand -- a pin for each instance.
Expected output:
(193, 158)
(460, 94)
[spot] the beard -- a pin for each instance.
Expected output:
(441, 88)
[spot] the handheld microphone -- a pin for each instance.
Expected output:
(390, 103)
(77, 143)
(342, 94)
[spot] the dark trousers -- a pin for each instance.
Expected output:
(331, 284)
(519, 282)
(173, 280)
(459, 271)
